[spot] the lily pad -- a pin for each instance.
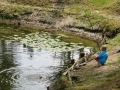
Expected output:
(44, 40)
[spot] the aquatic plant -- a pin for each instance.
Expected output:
(46, 41)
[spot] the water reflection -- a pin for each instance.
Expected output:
(6, 62)
(26, 68)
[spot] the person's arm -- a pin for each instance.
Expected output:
(95, 56)
(100, 54)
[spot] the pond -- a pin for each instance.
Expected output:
(34, 62)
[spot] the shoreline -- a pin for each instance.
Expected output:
(94, 36)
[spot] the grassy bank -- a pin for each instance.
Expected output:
(90, 77)
(29, 2)
(7, 29)
(97, 14)
(103, 14)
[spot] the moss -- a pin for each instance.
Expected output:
(72, 38)
(62, 83)
(8, 30)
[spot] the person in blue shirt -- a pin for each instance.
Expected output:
(101, 57)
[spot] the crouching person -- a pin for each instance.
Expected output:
(101, 57)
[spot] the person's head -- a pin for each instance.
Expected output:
(103, 47)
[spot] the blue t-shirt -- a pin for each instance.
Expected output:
(103, 56)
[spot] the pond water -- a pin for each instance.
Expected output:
(21, 69)
(26, 68)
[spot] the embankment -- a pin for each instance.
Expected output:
(70, 16)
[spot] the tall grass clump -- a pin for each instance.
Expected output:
(116, 41)
(62, 83)
(12, 11)
(91, 19)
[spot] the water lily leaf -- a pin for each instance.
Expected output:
(15, 35)
(44, 40)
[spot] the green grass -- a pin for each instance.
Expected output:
(30, 2)
(116, 41)
(12, 11)
(81, 11)
(101, 2)
(17, 8)
(101, 13)
(99, 82)
(9, 31)
(102, 81)
(72, 38)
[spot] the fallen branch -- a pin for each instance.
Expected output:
(71, 68)
(82, 64)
